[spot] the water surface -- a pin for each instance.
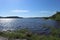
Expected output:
(31, 24)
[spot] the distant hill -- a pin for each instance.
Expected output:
(35, 18)
(56, 16)
(0, 16)
(38, 17)
(11, 17)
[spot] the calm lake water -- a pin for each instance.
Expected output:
(31, 24)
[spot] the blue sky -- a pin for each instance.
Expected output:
(29, 8)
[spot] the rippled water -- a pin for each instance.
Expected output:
(32, 24)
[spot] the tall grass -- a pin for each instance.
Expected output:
(25, 34)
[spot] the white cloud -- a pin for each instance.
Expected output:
(19, 11)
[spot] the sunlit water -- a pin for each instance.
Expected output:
(31, 24)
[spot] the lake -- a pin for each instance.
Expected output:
(35, 25)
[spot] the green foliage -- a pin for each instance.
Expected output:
(25, 34)
(35, 37)
(56, 16)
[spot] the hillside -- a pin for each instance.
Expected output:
(56, 16)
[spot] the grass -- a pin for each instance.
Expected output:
(26, 34)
